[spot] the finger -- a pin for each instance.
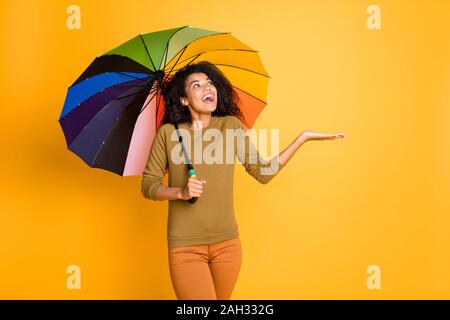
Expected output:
(324, 136)
(195, 181)
(196, 189)
(198, 184)
(195, 194)
(334, 135)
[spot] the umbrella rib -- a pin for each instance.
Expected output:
(208, 35)
(157, 107)
(136, 78)
(127, 86)
(228, 65)
(129, 95)
(224, 49)
(177, 60)
(143, 68)
(251, 95)
(166, 52)
(155, 92)
(146, 49)
(183, 66)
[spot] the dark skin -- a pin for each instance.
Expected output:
(197, 87)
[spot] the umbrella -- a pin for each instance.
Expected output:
(112, 111)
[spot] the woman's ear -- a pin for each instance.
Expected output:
(183, 101)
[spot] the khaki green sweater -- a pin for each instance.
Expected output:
(211, 218)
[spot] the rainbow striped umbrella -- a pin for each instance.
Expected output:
(113, 110)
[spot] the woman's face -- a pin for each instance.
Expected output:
(201, 94)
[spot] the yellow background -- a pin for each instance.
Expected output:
(380, 196)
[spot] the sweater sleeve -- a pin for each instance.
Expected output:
(156, 166)
(258, 167)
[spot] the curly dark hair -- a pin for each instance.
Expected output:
(227, 98)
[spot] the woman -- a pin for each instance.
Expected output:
(204, 247)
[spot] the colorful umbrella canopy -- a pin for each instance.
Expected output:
(112, 111)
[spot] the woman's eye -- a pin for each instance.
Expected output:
(209, 82)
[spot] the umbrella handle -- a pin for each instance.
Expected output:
(189, 165)
(192, 174)
(193, 199)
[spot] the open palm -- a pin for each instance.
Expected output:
(313, 135)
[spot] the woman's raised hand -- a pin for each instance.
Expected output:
(313, 135)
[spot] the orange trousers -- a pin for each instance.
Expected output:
(205, 272)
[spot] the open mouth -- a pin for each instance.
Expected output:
(208, 98)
